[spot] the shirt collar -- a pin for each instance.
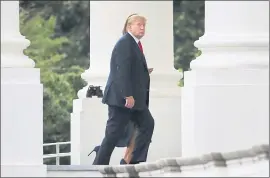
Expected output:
(136, 39)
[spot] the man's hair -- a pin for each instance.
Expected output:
(131, 19)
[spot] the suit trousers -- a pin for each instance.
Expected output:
(118, 119)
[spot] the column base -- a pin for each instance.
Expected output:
(225, 110)
(23, 171)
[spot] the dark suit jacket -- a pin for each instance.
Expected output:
(128, 76)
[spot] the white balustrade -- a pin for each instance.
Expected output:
(57, 155)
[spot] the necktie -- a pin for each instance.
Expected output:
(140, 46)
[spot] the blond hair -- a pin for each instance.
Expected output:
(134, 17)
(131, 18)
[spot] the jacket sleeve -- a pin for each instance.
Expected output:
(124, 70)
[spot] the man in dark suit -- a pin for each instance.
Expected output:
(127, 95)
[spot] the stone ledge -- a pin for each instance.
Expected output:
(174, 164)
(256, 153)
(72, 168)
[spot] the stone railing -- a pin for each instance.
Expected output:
(57, 155)
(250, 162)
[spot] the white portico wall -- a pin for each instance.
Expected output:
(21, 102)
(226, 95)
(90, 115)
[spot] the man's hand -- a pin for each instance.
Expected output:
(150, 70)
(130, 102)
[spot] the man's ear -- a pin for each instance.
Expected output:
(128, 26)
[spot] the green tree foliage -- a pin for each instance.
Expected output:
(188, 27)
(59, 90)
(59, 35)
(72, 21)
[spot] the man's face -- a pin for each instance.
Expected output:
(137, 27)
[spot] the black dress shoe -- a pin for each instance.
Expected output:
(123, 161)
(135, 162)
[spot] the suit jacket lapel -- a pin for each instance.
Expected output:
(142, 57)
(144, 60)
(138, 51)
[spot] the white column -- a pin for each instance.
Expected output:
(90, 115)
(21, 102)
(225, 98)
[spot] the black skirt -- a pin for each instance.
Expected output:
(130, 129)
(124, 141)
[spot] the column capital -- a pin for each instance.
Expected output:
(234, 40)
(12, 42)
